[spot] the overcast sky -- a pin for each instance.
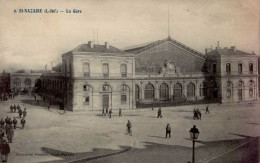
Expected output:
(33, 40)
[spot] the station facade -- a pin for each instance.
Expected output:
(95, 76)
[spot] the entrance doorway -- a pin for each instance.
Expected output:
(105, 101)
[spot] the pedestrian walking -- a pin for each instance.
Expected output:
(2, 123)
(5, 150)
(18, 107)
(15, 108)
(14, 122)
(24, 113)
(159, 113)
(110, 113)
(11, 108)
(23, 122)
(107, 110)
(20, 112)
(207, 110)
(128, 127)
(120, 112)
(10, 134)
(168, 130)
(2, 134)
(103, 112)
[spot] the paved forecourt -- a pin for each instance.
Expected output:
(85, 134)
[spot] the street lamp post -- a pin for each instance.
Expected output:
(194, 134)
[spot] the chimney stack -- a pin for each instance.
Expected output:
(233, 48)
(206, 51)
(107, 45)
(91, 44)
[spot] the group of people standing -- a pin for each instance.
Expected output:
(7, 128)
(197, 113)
(109, 112)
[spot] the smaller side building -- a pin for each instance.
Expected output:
(236, 73)
(24, 80)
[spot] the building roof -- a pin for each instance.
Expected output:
(96, 48)
(140, 48)
(226, 51)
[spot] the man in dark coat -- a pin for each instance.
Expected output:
(20, 112)
(207, 110)
(14, 108)
(159, 113)
(107, 110)
(168, 130)
(14, 122)
(5, 150)
(129, 126)
(110, 113)
(10, 134)
(2, 123)
(2, 134)
(24, 112)
(11, 108)
(23, 122)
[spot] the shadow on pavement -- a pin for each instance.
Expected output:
(254, 124)
(157, 137)
(154, 152)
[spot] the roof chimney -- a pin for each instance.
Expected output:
(206, 51)
(233, 48)
(217, 45)
(91, 44)
(107, 45)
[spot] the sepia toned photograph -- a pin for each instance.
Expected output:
(117, 81)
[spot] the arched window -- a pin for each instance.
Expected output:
(123, 69)
(106, 88)
(124, 88)
(251, 88)
(17, 83)
(137, 92)
(105, 69)
(164, 91)
(240, 68)
(191, 90)
(251, 68)
(228, 68)
(87, 88)
(177, 90)
(203, 89)
(86, 70)
(149, 92)
(27, 83)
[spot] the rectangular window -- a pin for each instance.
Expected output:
(214, 68)
(105, 70)
(123, 70)
(123, 99)
(86, 100)
(86, 70)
